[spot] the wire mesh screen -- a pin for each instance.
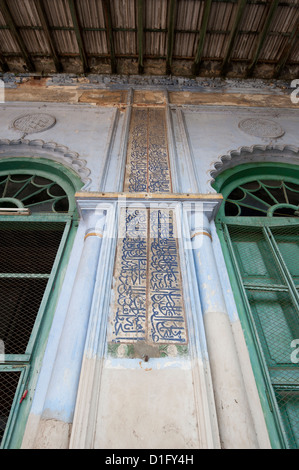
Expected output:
(18, 310)
(287, 239)
(29, 247)
(8, 385)
(288, 402)
(28, 252)
(267, 261)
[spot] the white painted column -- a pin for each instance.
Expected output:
(57, 416)
(234, 417)
(85, 415)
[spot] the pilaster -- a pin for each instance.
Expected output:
(57, 416)
(235, 421)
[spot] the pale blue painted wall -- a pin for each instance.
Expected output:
(99, 136)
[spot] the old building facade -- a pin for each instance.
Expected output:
(149, 233)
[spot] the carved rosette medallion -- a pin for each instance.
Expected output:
(33, 123)
(261, 127)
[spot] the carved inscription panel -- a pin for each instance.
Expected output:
(147, 296)
(147, 308)
(147, 168)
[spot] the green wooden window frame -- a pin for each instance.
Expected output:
(25, 366)
(266, 291)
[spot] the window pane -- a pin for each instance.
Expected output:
(288, 401)
(254, 257)
(287, 239)
(276, 321)
(274, 308)
(255, 198)
(35, 192)
(8, 385)
(29, 247)
(28, 253)
(20, 301)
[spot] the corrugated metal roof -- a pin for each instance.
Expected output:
(207, 37)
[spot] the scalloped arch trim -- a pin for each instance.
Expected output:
(255, 153)
(51, 150)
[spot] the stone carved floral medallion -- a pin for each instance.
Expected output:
(33, 123)
(259, 127)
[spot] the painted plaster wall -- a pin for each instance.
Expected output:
(153, 403)
(213, 132)
(98, 134)
(81, 128)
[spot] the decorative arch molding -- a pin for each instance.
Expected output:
(51, 150)
(255, 153)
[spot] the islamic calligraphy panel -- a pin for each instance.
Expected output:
(166, 312)
(131, 276)
(147, 307)
(147, 302)
(147, 168)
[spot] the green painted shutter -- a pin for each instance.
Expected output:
(37, 214)
(265, 256)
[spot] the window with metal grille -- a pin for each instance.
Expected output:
(35, 225)
(259, 229)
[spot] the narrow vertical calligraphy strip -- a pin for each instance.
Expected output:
(129, 311)
(147, 168)
(136, 167)
(158, 160)
(166, 318)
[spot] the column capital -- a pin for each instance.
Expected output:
(200, 214)
(93, 213)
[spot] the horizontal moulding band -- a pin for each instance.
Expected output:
(174, 196)
(93, 234)
(201, 233)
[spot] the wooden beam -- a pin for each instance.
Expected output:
(110, 41)
(239, 15)
(170, 36)
(46, 28)
(16, 35)
(3, 64)
(201, 39)
(77, 29)
(140, 33)
(286, 53)
(262, 37)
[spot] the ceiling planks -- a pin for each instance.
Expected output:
(140, 34)
(211, 37)
(29, 64)
(262, 37)
(170, 34)
(75, 19)
(202, 35)
(45, 25)
(286, 52)
(232, 37)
